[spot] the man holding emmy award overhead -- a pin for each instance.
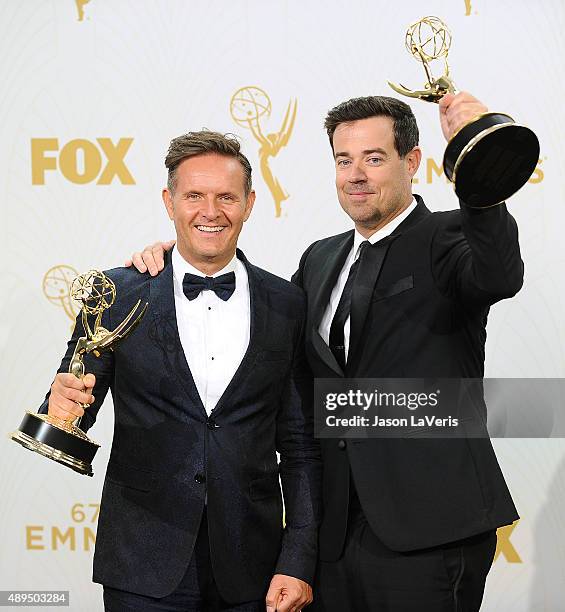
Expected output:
(210, 385)
(409, 524)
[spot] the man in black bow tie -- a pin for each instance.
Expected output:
(207, 389)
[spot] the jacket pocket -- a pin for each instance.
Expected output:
(272, 355)
(264, 487)
(399, 286)
(130, 476)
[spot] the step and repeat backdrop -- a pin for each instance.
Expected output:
(92, 91)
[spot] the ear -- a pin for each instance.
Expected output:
(413, 159)
(249, 205)
(168, 201)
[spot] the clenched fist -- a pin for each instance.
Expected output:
(66, 391)
(456, 110)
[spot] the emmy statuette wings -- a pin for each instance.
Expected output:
(489, 158)
(58, 439)
(248, 107)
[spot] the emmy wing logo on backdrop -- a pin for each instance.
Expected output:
(248, 108)
(57, 289)
(80, 8)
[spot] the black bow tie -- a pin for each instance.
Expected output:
(223, 286)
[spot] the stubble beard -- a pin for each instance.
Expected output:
(374, 217)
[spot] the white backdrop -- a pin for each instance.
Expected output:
(149, 70)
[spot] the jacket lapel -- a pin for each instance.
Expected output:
(164, 333)
(324, 281)
(327, 275)
(367, 276)
(258, 326)
(420, 212)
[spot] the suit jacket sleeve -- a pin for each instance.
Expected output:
(102, 367)
(476, 255)
(300, 471)
(297, 277)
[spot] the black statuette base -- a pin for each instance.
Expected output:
(55, 443)
(490, 159)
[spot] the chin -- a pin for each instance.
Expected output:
(364, 219)
(210, 254)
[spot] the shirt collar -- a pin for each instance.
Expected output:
(182, 267)
(384, 231)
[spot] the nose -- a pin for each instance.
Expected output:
(357, 173)
(210, 209)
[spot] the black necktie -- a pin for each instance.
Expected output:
(337, 337)
(223, 286)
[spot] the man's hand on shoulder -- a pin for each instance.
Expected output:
(288, 594)
(456, 110)
(152, 258)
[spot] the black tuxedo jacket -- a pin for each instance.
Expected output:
(168, 455)
(419, 309)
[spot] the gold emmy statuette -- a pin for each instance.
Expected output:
(248, 106)
(489, 158)
(58, 439)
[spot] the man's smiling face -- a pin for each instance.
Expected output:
(208, 207)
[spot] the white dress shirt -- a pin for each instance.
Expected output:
(326, 322)
(214, 334)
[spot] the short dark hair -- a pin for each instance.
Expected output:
(405, 127)
(200, 143)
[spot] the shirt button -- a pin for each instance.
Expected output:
(212, 358)
(341, 444)
(200, 478)
(212, 424)
(209, 307)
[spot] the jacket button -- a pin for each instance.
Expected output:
(200, 478)
(341, 444)
(212, 424)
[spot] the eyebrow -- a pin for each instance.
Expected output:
(200, 193)
(365, 152)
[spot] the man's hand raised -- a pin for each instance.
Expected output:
(288, 594)
(151, 259)
(456, 110)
